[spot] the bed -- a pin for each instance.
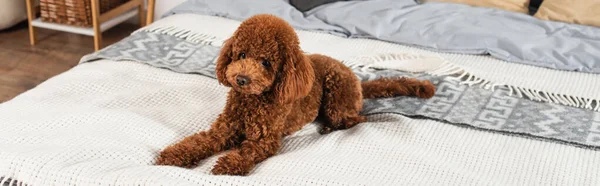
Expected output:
(509, 109)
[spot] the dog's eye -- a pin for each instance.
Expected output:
(242, 55)
(266, 63)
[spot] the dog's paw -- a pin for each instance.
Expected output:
(172, 158)
(427, 90)
(346, 123)
(325, 130)
(231, 164)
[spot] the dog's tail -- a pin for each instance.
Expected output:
(390, 87)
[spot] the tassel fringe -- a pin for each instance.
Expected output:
(11, 182)
(187, 35)
(465, 78)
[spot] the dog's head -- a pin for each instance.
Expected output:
(264, 56)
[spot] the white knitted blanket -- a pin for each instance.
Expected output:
(103, 123)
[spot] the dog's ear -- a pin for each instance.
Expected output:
(225, 57)
(297, 75)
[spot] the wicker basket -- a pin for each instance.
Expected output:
(73, 12)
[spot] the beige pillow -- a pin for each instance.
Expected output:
(585, 12)
(521, 6)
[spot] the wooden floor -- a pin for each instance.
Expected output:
(23, 66)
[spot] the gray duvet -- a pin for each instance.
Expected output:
(444, 27)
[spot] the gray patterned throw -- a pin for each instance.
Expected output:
(453, 103)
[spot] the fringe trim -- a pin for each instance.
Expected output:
(4, 181)
(465, 78)
(402, 61)
(433, 65)
(188, 35)
(11, 182)
(442, 67)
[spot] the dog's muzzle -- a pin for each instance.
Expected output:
(242, 80)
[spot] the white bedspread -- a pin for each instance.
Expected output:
(104, 123)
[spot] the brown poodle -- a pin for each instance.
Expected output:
(276, 90)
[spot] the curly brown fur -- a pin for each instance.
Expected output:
(276, 90)
(391, 87)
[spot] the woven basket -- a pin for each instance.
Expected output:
(73, 12)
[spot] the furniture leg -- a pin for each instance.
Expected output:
(141, 14)
(96, 24)
(150, 14)
(30, 17)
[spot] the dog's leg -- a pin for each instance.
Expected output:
(241, 161)
(221, 136)
(342, 101)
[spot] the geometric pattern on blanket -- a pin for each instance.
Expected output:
(453, 102)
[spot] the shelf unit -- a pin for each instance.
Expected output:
(101, 22)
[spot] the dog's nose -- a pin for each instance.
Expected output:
(242, 80)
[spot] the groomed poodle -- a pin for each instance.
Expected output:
(276, 90)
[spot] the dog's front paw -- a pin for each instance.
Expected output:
(173, 157)
(232, 164)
